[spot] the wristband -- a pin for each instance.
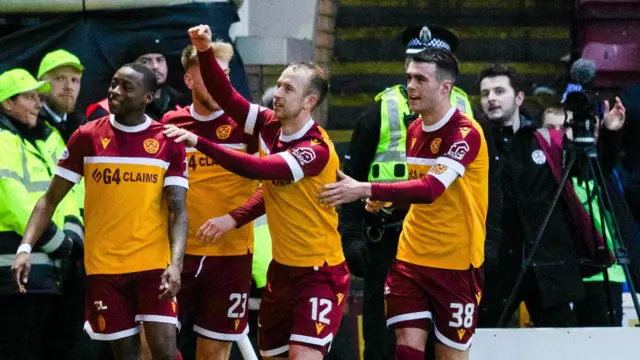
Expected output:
(24, 248)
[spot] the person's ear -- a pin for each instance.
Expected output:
(148, 98)
(7, 105)
(519, 98)
(310, 102)
(188, 81)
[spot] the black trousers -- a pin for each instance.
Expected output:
(379, 341)
(594, 309)
(25, 319)
(558, 315)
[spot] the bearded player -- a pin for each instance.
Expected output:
(435, 282)
(308, 279)
(135, 220)
(216, 277)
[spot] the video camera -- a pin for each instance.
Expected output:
(583, 103)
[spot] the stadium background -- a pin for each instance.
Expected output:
(358, 40)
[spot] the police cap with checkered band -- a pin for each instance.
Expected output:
(419, 37)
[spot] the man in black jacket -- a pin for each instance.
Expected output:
(149, 50)
(525, 188)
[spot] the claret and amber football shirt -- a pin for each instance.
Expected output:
(214, 191)
(125, 170)
(450, 232)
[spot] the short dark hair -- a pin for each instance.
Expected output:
(148, 77)
(502, 70)
(444, 60)
(318, 79)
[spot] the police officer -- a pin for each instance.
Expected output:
(29, 151)
(377, 154)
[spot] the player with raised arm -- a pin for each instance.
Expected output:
(308, 279)
(216, 278)
(435, 282)
(135, 219)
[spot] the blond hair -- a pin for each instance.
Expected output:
(221, 50)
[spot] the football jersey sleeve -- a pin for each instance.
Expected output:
(177, 173)
(306, 158)
(251, 116)
(71, 163)
(459, 150)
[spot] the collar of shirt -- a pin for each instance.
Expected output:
(55, 117)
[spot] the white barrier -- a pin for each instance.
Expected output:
(556, 344)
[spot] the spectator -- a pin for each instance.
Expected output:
(29, 150)
(518, 184)
(64, 71)
(148, 50)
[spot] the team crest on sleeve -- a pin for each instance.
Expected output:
(223, 132)
(151, 146)
(538, 157)
(435, 145)
(438, 169)
(65, 154)
(458, 150)
(304, 155)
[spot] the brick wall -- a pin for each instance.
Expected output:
(324, 38)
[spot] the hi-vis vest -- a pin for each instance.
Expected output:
(261, 251)
(390, 160)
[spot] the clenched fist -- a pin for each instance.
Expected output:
(200, 37)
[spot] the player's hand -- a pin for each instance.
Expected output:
(170, 282)
(344, 191)
(373, 206)
(200, 37)
(614, 118)
(20, 269)
(214, 228)
(181, 135)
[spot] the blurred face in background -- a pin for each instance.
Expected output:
(500, 103)
(193, 81)
(424, 90)
(23, 107)
(65, 87)
(157, 63)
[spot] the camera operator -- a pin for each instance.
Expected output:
(594, 310)
(532, 171)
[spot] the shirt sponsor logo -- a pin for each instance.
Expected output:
(435, 145)
(200, 161)
(151, 146)
(281, 183)
(110, 176)
(538, 157)
(304, 155)
(223, 132)
(458, 150)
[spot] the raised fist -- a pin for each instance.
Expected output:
(200, 37)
